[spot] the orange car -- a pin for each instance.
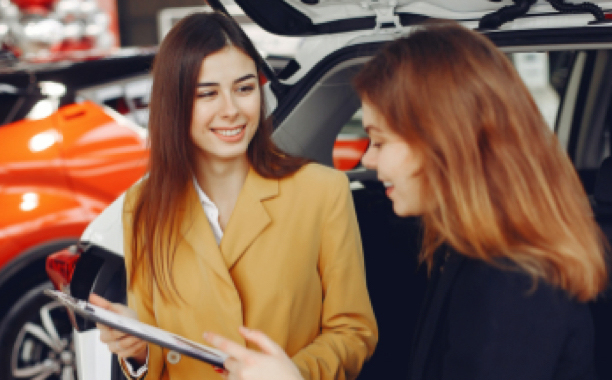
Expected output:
(56, 175)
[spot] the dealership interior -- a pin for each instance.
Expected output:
(76, 79)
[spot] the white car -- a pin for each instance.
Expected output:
(563, 52)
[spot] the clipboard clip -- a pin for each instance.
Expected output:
(67, 300)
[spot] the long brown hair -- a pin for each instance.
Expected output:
(500, 186)
(161, 194)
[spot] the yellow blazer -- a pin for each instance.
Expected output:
(290, 264)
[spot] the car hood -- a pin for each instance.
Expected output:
(313, 17)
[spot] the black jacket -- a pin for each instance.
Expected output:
(479, 322)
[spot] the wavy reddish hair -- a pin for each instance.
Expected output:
(500, 186)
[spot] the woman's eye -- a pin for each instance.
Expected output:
(246, 89)
(207, 94)
(375, 144)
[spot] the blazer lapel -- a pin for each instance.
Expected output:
(432, 308)
(197, 232)
(249, 217)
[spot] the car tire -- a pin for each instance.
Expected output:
(36, 339)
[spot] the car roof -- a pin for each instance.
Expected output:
(313, 17)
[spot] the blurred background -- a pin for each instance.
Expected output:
(51, 30)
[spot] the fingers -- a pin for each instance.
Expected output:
(118, 308)
(120, 343)
(127, 349)
(265, 344)
(126, 346)
(128, 342)
(233, 349)
(231, 365)
(108, 335)
(123, 310)
(95, 299)
(226, 345)
(244, 363)
(220, 371)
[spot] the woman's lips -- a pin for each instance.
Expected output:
(230, 134)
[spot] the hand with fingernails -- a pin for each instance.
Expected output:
(120, 343)
(272, 363)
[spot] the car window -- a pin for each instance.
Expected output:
(545, 75)
(589, 140)
(585, 120)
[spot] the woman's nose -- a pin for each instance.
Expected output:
(229, 107)
(369, 160)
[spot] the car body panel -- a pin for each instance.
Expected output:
(296, 17)
(106, 230)
(94, 365)
(108, 153)
(546, 30)
(35, 191)
(60, 172)
(56, 174)
(43, 214)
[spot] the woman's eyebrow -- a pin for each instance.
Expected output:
(370, 128)
(248, 76)
(243, 78)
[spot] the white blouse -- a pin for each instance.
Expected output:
(211, 211)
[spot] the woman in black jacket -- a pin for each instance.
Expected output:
(509, 239)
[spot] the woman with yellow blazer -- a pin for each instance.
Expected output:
(227, 231)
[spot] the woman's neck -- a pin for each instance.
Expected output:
(222, 181)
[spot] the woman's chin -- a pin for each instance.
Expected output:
(404, 210)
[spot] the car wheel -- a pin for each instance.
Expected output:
(36, 339)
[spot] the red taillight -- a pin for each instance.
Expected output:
(348, 152)
(60, 267)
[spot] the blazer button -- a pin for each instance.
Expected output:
(173, 357)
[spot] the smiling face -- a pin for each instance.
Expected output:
(226, 109)
(397, 164)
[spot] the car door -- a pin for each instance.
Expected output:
(584, 127)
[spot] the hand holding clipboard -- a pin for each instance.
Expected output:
(269, 363)
(140, 330)
(120, 343)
